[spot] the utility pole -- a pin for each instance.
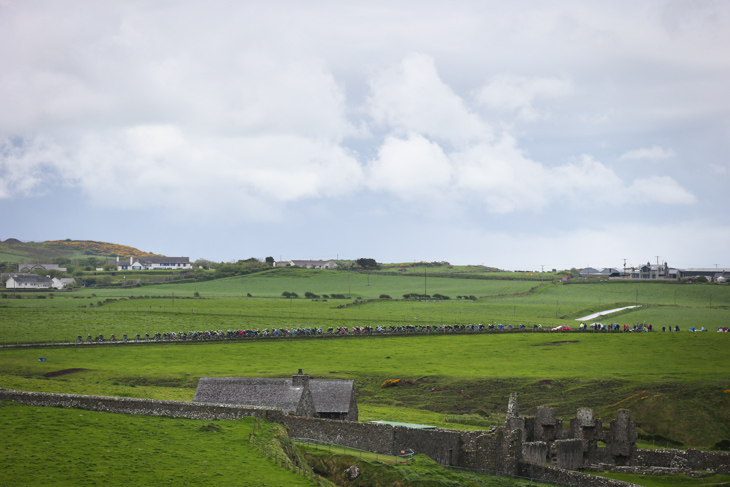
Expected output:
(657, 259)
(424, 281)
(542, 271)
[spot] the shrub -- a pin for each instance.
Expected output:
(390, 383)
(310, 295)
(384, 296)
(289, 295)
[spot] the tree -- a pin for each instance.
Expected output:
(366, 263)
(204, 263)
(270, 261)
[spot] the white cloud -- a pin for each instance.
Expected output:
(518, 94)
(161, 166)
(654, 153)
(410, 168)
(660, 189)
(411, 97)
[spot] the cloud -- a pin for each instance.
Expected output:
(410, 167)
(660, 189)
(518, 94)
(411, 97)
(655, 152)
(164, 167)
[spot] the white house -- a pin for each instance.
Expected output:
(28, 282)
(309, 264)
(153, 263)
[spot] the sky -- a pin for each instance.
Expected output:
(521, 135)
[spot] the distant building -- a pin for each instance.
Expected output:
(28, 282)
(152, 263)
(300, 395)
(42, 267)
(607, 272)
(308, 264)
(651, 271)
(709, 272)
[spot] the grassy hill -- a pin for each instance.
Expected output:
(13, 250)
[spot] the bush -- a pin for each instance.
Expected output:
(384, 296)
(289, 295)
(440, 296)
(310, 295)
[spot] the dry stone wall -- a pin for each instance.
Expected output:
(151, 407)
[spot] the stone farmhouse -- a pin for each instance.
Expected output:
(300, 395)
(308, 264)
(152, 263)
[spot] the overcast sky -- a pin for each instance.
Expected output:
(512, 134)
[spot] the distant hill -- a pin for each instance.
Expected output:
(13, 250)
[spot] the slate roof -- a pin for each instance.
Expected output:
(32, 279)
(329, 396)
(47, 267)
(164, 260)
(278, 393)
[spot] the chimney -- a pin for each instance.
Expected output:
(300, 379)
(130, 260)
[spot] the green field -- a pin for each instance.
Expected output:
(676, 385)
(56, 446)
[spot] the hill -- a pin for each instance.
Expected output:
(13, 250)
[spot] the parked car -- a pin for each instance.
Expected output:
(561, 328)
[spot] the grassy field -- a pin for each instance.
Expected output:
(657, 376)
(670, 480)
(56, 446)
(224, 305)
(675, 384)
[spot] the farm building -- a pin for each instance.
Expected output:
(308, 264)
(651, 271)
(28, 282)
(43, 267)
(607, 272)
(300, 395)
(152, 263)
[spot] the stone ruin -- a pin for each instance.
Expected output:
(584, 443)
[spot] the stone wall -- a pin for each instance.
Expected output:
(150, 407)
(535, 452)
(691, 459)
(372, 437)
(567, 454)
(566, 477)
